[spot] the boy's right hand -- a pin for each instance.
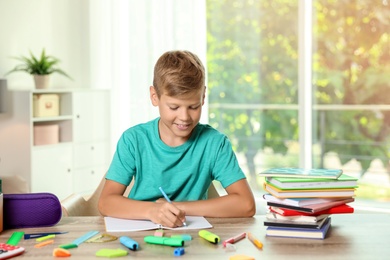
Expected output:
(167, 214)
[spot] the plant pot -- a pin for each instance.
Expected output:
(42, 81)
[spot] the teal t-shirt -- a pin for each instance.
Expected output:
(184, 172)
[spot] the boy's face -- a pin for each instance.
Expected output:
(178, 115)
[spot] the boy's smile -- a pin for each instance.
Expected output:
(178, 116)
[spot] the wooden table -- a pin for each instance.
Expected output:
(352, 236)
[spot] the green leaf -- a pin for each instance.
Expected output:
(46, 64)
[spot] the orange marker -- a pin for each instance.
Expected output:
(45, 243)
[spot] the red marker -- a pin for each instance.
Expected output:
(234, 239)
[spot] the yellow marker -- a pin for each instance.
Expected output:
(45, 238)
(209, 236)
(256, 242)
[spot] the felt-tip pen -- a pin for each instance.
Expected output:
(234, 239)
(166, 241)
(129, 243)
(213, 238)
(255, 241)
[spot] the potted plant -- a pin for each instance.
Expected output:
(40, 68)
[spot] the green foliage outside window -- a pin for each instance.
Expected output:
(253, 59)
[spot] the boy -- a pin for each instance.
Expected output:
(177, 153)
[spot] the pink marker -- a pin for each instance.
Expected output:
(233, 240)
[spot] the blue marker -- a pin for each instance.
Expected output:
(129, 243)
(167, 198)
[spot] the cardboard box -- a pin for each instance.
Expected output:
(46, 105)
(46, 134)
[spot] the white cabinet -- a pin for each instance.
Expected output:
(91, 148)
(52, 169)
(82, 155)
(91, 112)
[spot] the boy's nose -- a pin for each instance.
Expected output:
(184, 115)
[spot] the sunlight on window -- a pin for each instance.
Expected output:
(253, 59)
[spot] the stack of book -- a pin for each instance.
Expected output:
(301, 201)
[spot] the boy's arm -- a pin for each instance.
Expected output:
(239, 202)
(112, 203)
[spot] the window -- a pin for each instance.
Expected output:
(256, 84)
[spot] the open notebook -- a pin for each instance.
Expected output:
(127, 225)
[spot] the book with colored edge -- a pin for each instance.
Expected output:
(294, 224)
(322, 193)
(314, 208)
(297, 218)
(341, 209)
(299, 201)
(300, 232)
(302, 173)
(344, 181)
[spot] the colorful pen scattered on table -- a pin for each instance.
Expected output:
(207, 235)
(255, 241)
(234, 239)
(37, 235)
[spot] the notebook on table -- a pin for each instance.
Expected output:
(128, 225)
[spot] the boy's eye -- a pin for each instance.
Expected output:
(176, 108)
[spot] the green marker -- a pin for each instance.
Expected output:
(166, 241)
(209, 236)
(68, 246)
(15, 238)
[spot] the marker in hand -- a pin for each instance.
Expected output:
(167, 198)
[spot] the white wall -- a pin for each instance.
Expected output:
(102, 44)
(60, 26)
(127, 41)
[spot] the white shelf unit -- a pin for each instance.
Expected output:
(78, 161)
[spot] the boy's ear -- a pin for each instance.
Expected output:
(204, 95)
(153, 96)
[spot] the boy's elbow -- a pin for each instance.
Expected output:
(250, 209)
(247, 208)
(101, 208)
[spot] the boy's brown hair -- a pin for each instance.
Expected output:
(178, 73)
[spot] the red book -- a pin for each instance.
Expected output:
(341, 209)
(313, 208)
